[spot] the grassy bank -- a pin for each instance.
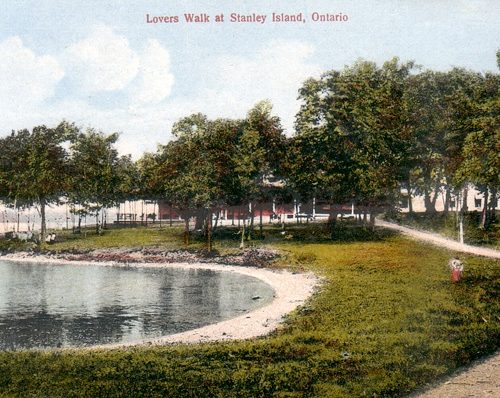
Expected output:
(386, 321)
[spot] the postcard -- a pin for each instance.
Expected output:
(237, 138)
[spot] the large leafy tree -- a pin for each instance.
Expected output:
(440, 105)
(34, 168)
(197, 169)
(480, 163)
(215, 163)
(258, 155)
(351, 134)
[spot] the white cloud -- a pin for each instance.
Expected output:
(103, 61)
(25, 78)
(228, 87)
(155, 81)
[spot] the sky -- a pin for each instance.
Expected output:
(101, 64)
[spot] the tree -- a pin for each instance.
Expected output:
(351, 135)
(34, 168)
(197, 169)
(130, 183)
(440, 107)
(96, 172)
(258, 156)
(481, 149)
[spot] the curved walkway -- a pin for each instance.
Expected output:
(482, 378)
(440, 241)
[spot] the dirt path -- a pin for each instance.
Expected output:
(440, 241)
(482, 378)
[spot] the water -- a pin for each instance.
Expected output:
(51, 305)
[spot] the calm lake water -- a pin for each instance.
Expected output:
(48, 305)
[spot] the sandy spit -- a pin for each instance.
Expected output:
(290, 291)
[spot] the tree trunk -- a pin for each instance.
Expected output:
(447, 199)
(427, 194)
(97, 222)
(332, 220)
(209, 231)
(186, 229)
(410, 203)
(427, 200)
(464, 207)
(434, 198)
(493, 205)
(43, 226)
(461, 228)
(260, 221)
(372, 214)
(242, 243)
(200, 219)
(296, 210)
(250, 227)
(484, 213)
(217, 217)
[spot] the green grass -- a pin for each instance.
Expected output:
(169, 238)
(386, 321)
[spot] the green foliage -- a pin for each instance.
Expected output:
(196, 169)
(385, 321)
(481, 151)
(259, 153)
(95, 167)
(450, 121)
(34, 168)
(351, 134)
(14, 245)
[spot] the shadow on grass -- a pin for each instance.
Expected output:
(343, 231)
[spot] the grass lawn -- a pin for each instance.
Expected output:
(168, 238)
(386, 321)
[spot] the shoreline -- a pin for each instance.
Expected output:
(290, 291)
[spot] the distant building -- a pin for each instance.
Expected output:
(475, 201)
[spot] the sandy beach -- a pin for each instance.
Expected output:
(290, 291)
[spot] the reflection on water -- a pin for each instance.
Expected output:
(47, 305)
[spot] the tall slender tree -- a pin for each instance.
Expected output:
(95, 168)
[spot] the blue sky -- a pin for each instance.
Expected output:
(99, 64)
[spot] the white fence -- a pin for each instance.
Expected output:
(61, 217)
